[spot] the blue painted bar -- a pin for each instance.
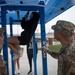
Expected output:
(23, 7)
(0, 1)
(43, 39)
(11, 34)
(5, 45)
(34, 55)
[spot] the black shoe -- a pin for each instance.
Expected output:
(30, 72)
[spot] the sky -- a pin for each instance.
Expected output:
(68, 15)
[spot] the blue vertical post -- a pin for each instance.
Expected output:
(34, 55)
(5, 46)
(43, 38)
(11, 34)
(0, 1)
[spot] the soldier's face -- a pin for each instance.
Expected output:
(56, 35)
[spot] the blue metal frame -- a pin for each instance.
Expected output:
(34, 55)
(43, 39)
(42, 22)
(2, 2)
(11, 34)
(5, 49)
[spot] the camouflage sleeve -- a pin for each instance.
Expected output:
(53, 54)
(71, 71)
(0, 51)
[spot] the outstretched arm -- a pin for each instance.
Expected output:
(53, 54)
(23, 22)
(26, 15)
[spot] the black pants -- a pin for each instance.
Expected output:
(30, 57)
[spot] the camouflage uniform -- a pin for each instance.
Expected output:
(66, 59)
(66, 55)
(2, 66)
(2, 62)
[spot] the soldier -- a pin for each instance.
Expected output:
(63, 32)
(2, 62)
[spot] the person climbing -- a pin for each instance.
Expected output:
(29, 27)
